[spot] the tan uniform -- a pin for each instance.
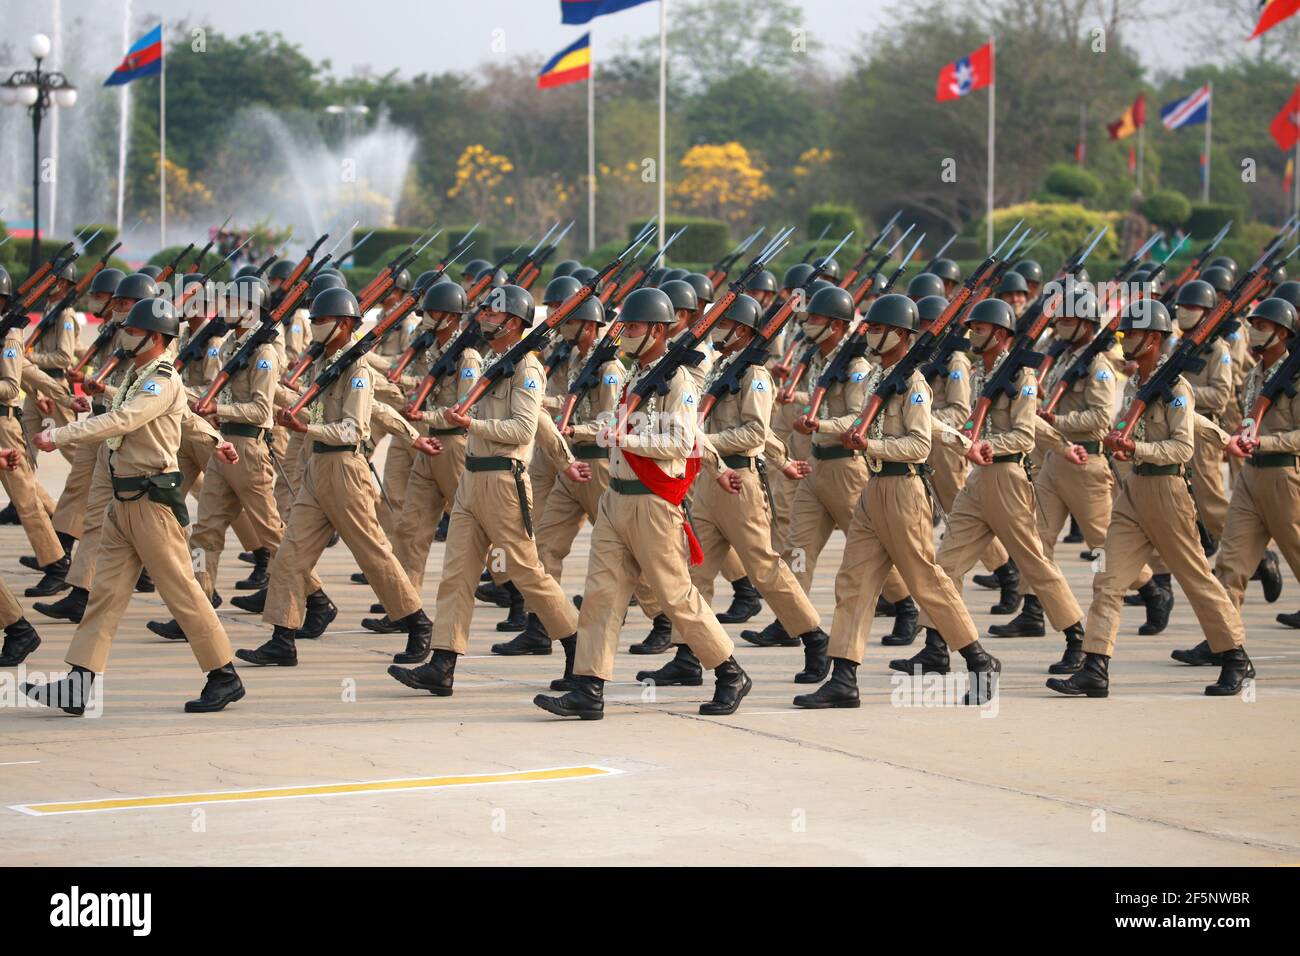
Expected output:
(21, 484)
(335, 493)
(1242, 363)
(486, 515)
(400, 457)
(10, 610)
(53, 353)
(998, 499)
(1156, 509)
(892, 529)
(139, 531)
(1213, 389)
(1265, 499)
(638, 537)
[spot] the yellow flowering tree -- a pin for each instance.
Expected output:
(481, 181)
(720, 180)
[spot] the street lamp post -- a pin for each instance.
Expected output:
(37, 90)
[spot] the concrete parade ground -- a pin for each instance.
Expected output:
(333, 762)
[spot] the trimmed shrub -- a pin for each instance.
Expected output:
(1167, 208)
(841, 219)
(1073, 182)
(1206, 219)
(705, 240)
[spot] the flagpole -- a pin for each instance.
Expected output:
(591, 153)
(122, 117)
(988, 219)
(663, 99)
(1209, 122)
(1142, 129)
(162, 137)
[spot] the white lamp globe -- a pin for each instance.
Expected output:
(28, 94)
(39, 46)
(66, 96)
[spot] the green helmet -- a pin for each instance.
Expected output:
(1031, 270)
(929, 308)
(565, 268)
(924, 284)
(672, 274)
(333, 303)
(336, 273)
(104, 283)
(744, 310)
(251, 290)
(1012, 282)
(655, 278)
(994, 312)
(1081, 304)
(7, 282)
(947, 270)
(896, 310)
(245, 270)
(584, 274)
(681, 294)
(474, 268)
(1196, 293)
(1278, 311)
(1219, 277)
(832, 268)
(68, 271)
(280, 269)
(1224, 262)
(153, 315)
(648, 305)
(832, 302)
(559, 289)
(402, 281)
(322, 282)
(796, 275)
(137, 285)
(1289, 290)
(1278, 273)
(1143, 277)
(1146, 315)
(703, 286)
(590, 309)
(512, 300)
(763, 281)
(819, 284)
(445, 296)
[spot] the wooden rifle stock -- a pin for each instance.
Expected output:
(605, 347)
(44, 270)
(311, 353)
(73, 295)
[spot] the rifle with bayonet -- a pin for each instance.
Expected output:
(529, 270)
(1194, 267)
(197, 264)
(16, 316)
(852, 275)
(338, 263)
(639, 272)
(929, 266)
(69, 299)
(213, 327)
(378, 287)
(812, 247)
(718, 273)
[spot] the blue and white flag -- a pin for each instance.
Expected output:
(1188, 111)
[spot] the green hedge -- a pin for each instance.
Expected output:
(382, 241)
(841, 220)
(1072, 182)
(1208, 218)
(107, 236)
(165, 256)
(705, 240)
(1167, 208)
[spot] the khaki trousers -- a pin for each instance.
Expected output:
(893, 530)
(335, 494)
(192, 458)
(291, 461)
(543, 476)
(1265, 504)
(247, 489)
(639, 538)
(398, 462)
(569, 505)
(23, 490)
(1205, 472)
(740, 525)
(1157, 508)
(948, 471)
(1065, 489)
(145, 532)
(485, 514)
(998, 499)
(70, 510)
(84, 556)
(35, 420)
(10, 609)
(430, 491)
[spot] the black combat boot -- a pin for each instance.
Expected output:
(1091, 680)
(1237, 669)
(774, 635)
(257, 578)
(904, 632)
(658, 640)
(247, 557)
(9, 515)
(533, 639)
(223, 687)
(1269, 576)
(215, 600)
(816, 662)
(884, 607)
(1028, 623)
(517, 619)
(254, 603)
(52, 582)
(168, 629)
(570, 647)
(489, 592)
(29, 562)
(441, 533)
(730, 685)
(931, 659)
(419, 636)
(20, 640)
(586, 700)
(1072, 659)
(1008, 578)
(840, 691)
(993, 581)
(1198, 656)
(280, 651)
(383, 625)
(70, 695)
(745, 603)
(1290, 620)
(983, 669)
(320, 611)
(682, 671)
(1075, 534)
(70, 607)
(1159, 602)
(144, 585)
(1161, 581)
(436, 677)
(358, 577)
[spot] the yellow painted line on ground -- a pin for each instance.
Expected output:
(321, 790)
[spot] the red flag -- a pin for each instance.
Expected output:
(1286, 124)
(966, 75)
(1273, 13)
(1132, 160)
(1134, 116)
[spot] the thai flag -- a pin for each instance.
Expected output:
(1188, 111)
(143, 59)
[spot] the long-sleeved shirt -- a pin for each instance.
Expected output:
(504, 421)
(1165, 435)
(345, 409)
(901, 432)
(951, 391)
(843, 402)
(1010, 424)
(197, 376)
(740, 422)
(11, 367)
(1084, 411)
(1279, 429)
(665, 427)
(57, 345)
(249, 396)
(1213, 385)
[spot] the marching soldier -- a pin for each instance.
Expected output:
(639, 529)
(145, 525)
(1014, 291)
(335, 494)
(949, 272)
(54, 352)
(1155, 510)
(1033, 276)
(893, 529)
(493, 501)
(20, 637)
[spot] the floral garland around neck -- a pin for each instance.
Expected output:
(129, 391)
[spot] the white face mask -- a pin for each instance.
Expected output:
(1261, 339)
(631, 345)
(492, 329)
(1189, 317)
(878, 343)
(322, 332)
(1134, 344)
(816, 333)
(131, 340)
(980, 346)
(571, 331)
